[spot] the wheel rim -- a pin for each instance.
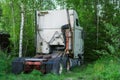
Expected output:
(68, 66)
(60, 69)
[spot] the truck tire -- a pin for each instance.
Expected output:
(79, 62)
(54, 66)
(81, 59)
(67, 65)
(57, 67)
(60, 71)
(18, 65)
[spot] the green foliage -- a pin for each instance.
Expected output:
(106, 68)
(111, 42)
(5, 62)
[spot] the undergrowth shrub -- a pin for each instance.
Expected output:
(106, 68)
(4, 63)
(34, 75)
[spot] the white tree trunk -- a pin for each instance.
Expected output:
(21, 30)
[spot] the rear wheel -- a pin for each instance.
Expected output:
(60, 68)
(57, 68)
(68, 65)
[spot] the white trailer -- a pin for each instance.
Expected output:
(59, 41)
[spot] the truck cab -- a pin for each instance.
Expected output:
(54, 28)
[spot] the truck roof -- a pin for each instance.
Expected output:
(55, 18)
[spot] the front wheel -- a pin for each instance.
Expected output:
(81, 60)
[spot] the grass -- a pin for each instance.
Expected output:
(105, 68)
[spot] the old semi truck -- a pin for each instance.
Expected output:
(59, 43)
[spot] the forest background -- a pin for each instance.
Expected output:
(99, 18)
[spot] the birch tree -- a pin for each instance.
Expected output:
(21, 30)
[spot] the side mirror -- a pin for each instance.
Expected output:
(83, 34)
